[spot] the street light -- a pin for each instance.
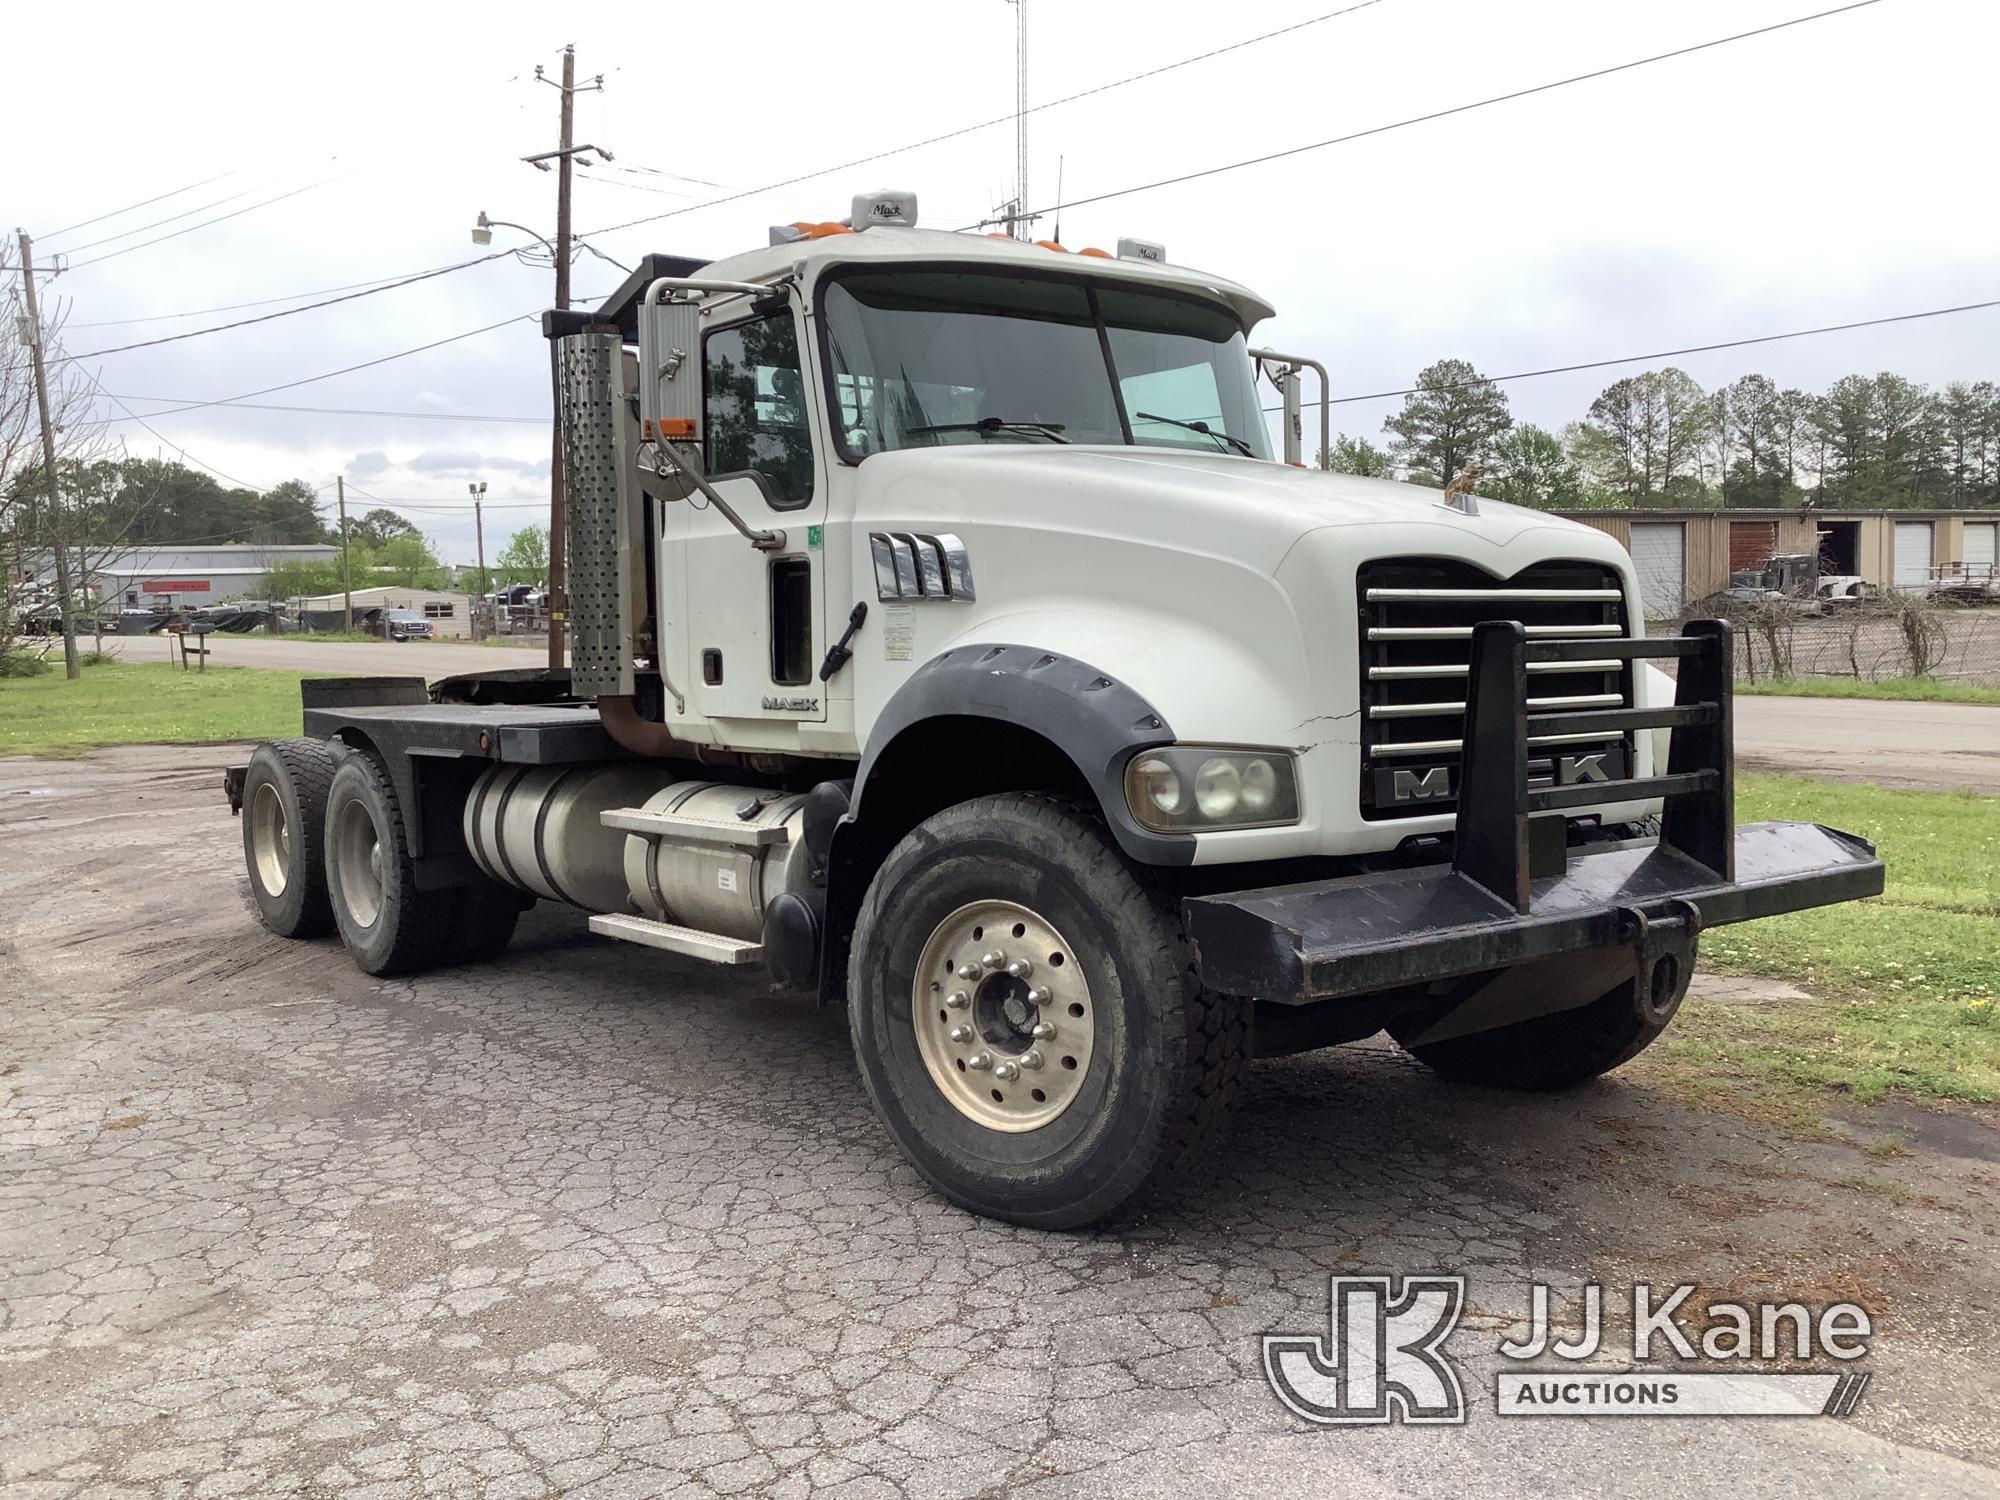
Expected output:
(482, 231)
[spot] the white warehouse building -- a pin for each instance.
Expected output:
(146, 576)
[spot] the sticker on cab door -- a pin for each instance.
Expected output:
(899, 625)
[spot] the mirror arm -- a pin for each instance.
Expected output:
(688, 467)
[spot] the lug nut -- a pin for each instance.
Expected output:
(1032, 1058)
(968, 971)
(961, 1033)
(1041, 994)
(1020, 968)
(980, 1061)
(958, 1000)
(1007, 1072)
(996, 959)
(1043, 1031)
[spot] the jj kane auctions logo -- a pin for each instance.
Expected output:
(1382, 1358)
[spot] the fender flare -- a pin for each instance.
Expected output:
(1099, 722)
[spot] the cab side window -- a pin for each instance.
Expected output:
(754, 407)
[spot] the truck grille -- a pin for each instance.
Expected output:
(1416, 625)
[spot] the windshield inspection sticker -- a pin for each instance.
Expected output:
(1382, 1358)
(899, 623)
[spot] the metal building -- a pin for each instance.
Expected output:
(1683, 556)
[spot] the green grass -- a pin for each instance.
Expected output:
(1894, 689)
(145, 703)
(1907, 983)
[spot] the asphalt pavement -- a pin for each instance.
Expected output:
(593, 1221)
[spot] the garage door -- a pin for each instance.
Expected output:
(1979, 549)
(1751, 544)
(1659, 553)
(1913, 554)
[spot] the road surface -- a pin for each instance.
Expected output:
(594, 1221)
(1952, 746)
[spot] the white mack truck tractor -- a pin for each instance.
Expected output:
(947, 638)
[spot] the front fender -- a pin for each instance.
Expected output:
(1092, 717)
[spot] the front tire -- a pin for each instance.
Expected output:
(388, 925)
(1026, 1018)
(284, 813)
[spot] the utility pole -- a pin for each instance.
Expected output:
(566, 148)
(479, 531)
(70, 664)
(346, 577)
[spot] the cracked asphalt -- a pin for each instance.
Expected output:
(589, 1221)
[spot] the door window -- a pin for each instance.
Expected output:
(754, 407)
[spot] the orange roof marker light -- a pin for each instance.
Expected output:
(1093, 251)
(1051, 245)
(821, 231)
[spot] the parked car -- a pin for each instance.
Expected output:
(405, 625)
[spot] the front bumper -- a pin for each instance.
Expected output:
(1559, 927)
(1365, 934)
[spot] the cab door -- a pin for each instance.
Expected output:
(756, 628)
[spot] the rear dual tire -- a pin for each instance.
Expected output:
(284, 816)
(389, 924)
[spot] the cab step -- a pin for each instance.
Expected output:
(689, 942)
(710, 832)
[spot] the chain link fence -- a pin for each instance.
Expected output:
(1866, 640)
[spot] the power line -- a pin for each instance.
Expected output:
(353, 411)
(1006, 119)
(187, 213)
(365, 364)
(195, 333)
(142, 203)
(186, 457)
(202, 312)
(1456, 109)
(218, 219)
(1635, 359)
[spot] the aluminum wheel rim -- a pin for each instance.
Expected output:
(358, 852)
(1003, 1016)
(270, 840)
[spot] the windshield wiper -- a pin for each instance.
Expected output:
(1053, 431)
(1201, 427)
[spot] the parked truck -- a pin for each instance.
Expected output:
(947, 638)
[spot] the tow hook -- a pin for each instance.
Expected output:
(1664, 947)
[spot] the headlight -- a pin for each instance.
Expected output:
(1191, 788)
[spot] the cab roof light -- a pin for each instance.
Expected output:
(884, 209)
(1147, 250)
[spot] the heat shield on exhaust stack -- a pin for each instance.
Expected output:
(605, 526)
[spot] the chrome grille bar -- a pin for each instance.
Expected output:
(1449, 747)
(1464, 632)
(1504, 596)
(1398, 674)
(1430, 710)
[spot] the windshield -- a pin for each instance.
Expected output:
(922, 359)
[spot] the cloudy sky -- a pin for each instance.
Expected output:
(1829, 172)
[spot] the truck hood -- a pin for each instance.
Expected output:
(1251, 510)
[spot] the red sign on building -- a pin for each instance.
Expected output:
(177, 586)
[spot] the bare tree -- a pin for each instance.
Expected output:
(76, 522)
